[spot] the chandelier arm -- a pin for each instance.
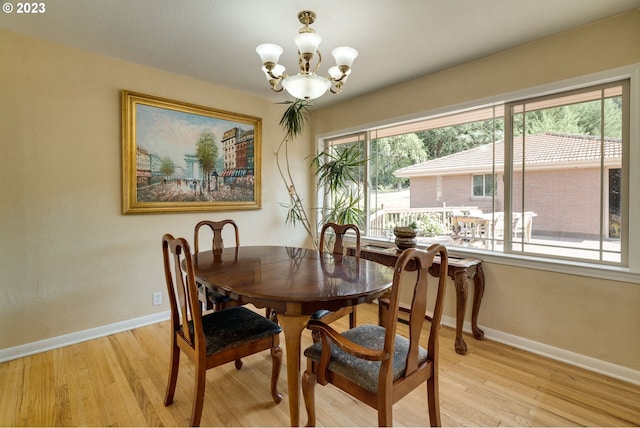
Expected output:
(338, 88)
(319, 61)
(339, 79)
(274, 76)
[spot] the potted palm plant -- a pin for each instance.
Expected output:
(335, 170)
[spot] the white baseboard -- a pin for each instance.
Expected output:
(80, 336)
(588, 363)
(592, 364)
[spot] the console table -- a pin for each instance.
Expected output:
(459, 270)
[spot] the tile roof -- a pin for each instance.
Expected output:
(542, 150)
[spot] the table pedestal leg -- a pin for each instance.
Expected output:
(292, 327)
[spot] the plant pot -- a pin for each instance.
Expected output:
(405, 237)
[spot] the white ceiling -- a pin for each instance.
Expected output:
(215, 40)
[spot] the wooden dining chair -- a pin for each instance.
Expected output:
(213, 339)
(210, 299)
(340, 230)
(377, 364)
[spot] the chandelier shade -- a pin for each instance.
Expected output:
(344, 55)
(269, 52)
(306, 84)
(307, 42)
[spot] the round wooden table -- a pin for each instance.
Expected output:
(295, 282)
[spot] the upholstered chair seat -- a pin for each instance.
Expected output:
(233, 327)
(363, 372)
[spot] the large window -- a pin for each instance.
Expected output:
(541, 177)
(567, 169)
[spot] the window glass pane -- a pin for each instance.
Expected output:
(428, 175)
(478, 186)
(341, 174)
(565, 198)
(489, 184)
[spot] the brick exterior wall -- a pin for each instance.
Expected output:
(566, 201)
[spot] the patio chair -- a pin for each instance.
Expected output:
(522, 224)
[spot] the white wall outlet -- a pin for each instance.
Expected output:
(157, 298)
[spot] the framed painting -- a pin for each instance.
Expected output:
(179, 157)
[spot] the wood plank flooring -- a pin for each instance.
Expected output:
(120, 380)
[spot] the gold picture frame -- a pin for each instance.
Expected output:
(180, 157)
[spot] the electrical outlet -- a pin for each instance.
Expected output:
(157, 298)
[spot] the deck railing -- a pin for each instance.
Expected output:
(382, 222)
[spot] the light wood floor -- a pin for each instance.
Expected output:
(119, 380)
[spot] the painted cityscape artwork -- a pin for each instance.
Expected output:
(180, 157)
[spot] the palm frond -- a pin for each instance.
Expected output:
(336, 168)
(295, 116)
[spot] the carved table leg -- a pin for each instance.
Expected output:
(460, 281)
(478, 292)
(292, 327)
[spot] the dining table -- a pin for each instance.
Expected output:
(294, 283)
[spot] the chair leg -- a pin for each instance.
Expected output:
(198, 393)
(385, 410)
(433, 398)
(174, 364)
(352, 318)
(272, 315)
(204, 298)
(385, 418)
(238, 364)
(308, 393)
(276, 365)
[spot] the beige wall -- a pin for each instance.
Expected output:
(592, 317)
(69, 260)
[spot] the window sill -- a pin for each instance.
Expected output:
(613, 273)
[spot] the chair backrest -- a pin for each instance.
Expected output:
(414, 262)
(498, 225)
(339, 230)
(186, 316)
(216, 228)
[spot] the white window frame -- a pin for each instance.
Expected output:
(484, 185)
(629, 273)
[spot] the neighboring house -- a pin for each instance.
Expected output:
(562, 178)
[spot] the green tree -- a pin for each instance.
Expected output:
(441, 142)
(589, 117)
(207, 153)
(392, 153)
(578, 119)
(167, 167)
(563, 120)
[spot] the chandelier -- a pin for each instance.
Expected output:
(306, 84)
